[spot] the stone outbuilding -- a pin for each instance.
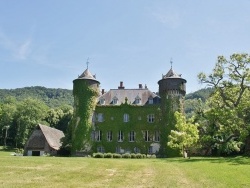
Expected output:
(43, 140)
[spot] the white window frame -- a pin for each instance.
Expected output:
(157, 136)
(125, 118)
(131, 136)
(100, 117)
(120, 136)
(100, 149)
(151, 100)
(102, 101)
(115, 101)
(137, 100)
(109, 136)
(146, 136)
(151, 118)
(98, 135)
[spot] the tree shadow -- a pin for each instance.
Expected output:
(239, 160)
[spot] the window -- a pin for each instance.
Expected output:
(100, 117)
(137, 100)
(151, 118)
(150, 100)
(146, 136)
(109, 136)
(131, 136)
(125, 118)
(157, 136)
(98, 136)
(115, 100)
(150, 149)
(100, 149)
(137, 150)
(102, 101)
(120, 136)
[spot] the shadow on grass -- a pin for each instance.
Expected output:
(239, 160)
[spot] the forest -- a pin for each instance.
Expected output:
(216, 120)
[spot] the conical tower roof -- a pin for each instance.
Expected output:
(86, 75)
(171, 74)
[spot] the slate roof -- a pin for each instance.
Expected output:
(171, 74)
(87, 75)
(131, 95)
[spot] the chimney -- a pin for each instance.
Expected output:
(103, 91)
(121, 85)
(140, 86)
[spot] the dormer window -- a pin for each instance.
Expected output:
(102, 101)
(150, 100)
(115, 100)
(137, 100)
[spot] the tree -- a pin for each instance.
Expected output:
(229, 103)
(185, 136)
(30, 112)
(8, 110)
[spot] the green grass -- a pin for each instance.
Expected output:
(18, 171)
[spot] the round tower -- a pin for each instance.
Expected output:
(172, 84)
(85, 92)
(172, 89)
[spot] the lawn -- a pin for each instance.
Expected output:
(19, 171)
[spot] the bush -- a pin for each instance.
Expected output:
(117, 155)
(144, 156)
(98, 155)
(138, 156)
(133, 156)
(126, 155)
(108, 155)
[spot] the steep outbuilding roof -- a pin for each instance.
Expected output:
(42, 134)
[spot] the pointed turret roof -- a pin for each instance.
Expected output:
(171, 74)
(86, 75)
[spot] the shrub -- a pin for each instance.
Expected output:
(98, 155)
(108, 155)
(117, 155)
(138, 156)
(144, 156)
(126, 155)
(133, 155)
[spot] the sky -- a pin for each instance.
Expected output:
(48, 42)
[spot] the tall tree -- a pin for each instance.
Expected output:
(185, 136)
(229, 102)
(30, 112)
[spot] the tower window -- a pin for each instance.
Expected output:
(151, 118)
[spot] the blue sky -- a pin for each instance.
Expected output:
(47, 43)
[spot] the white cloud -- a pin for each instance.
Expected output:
(167, 17)
(17, 50)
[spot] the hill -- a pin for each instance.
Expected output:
(50, 96)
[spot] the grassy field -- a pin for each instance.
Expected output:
(18, 171)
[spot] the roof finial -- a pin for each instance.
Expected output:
(87, 63)
(171, 62)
